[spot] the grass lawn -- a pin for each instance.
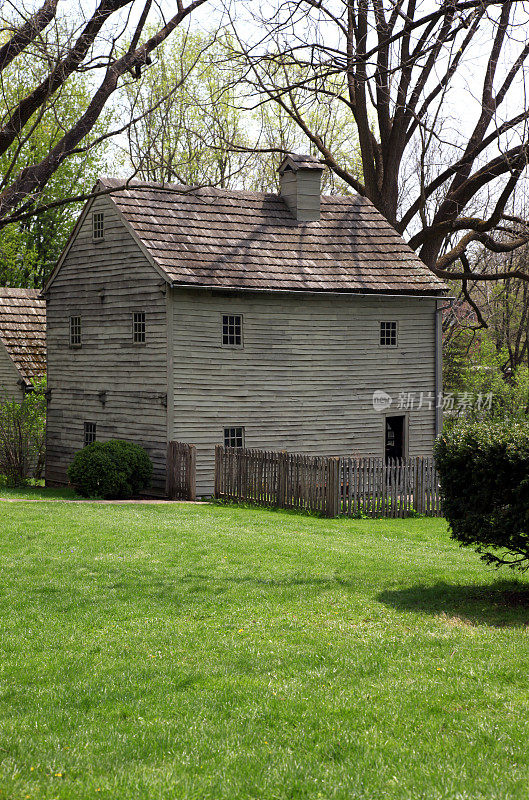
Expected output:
(36, 492)
(217, 653)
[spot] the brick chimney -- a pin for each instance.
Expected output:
(301, 186)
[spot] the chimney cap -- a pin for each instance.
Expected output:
(294, 162)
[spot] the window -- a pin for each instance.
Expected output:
(388, 334)
(232, 330)
(75, 332)
(233, 437)
(138, 327)
(89, 433)
(98, 226)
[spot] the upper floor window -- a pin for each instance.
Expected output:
(90, 433)
(98, 226)
(139, 329)
(233, 437)
(232, 330)
(388, 334)
(75, 332)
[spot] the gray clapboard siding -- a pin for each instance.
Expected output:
(304, 379)
(9, 376)
(104, 283)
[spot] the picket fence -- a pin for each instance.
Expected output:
(326, 485)
(181, 471)
(393, 488)
(278, 479)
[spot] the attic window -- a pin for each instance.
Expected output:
(139, 328)
(232, 330)
(75, 332)
(233, 437)
(388, 334)
(98, 226)
(90, 431)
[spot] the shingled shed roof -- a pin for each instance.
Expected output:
(245, 240)
(23, 330)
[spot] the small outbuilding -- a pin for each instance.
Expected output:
(22, 341)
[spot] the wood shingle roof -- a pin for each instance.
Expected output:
(23, 330)
(246, 240)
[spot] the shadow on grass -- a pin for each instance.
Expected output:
(500, 604)
(36, 492)
(190, 590)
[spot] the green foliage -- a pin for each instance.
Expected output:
(478, 368)
(30, 248)
(209, 131)
(455, 364)
(484, 474)
(23, 435)
(182, 136)
(111, 470)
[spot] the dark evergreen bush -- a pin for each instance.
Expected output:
(111, 470)
(484, 474)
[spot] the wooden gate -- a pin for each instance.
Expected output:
(181, 471)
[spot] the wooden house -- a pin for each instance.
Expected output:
(22, 341)
(217, 316)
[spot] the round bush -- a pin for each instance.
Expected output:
(484, 474)
(114, 470)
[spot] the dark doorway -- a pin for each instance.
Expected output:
(394, 443)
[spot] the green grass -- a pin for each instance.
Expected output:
(219, 653)
(36, 492)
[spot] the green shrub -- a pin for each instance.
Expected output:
(23, 435)
(480, 371)
(111, 470)
(484, 474)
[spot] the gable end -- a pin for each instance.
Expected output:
(106, 198)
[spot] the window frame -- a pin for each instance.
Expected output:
(136, 342)
(388, 344)
(75, 345)
(89, 432)
(227, 435)
(98, 223)
(224, 316)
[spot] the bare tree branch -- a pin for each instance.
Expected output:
(27, 33)
(20, 191)
(394, 66)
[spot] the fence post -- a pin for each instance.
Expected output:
(216, 486)
(282, 467)
(332, 500)
(192, 473)
(169, 471)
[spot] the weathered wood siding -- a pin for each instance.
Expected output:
(302, 193)
(305, 377)
(9, 377)
(104, 283)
